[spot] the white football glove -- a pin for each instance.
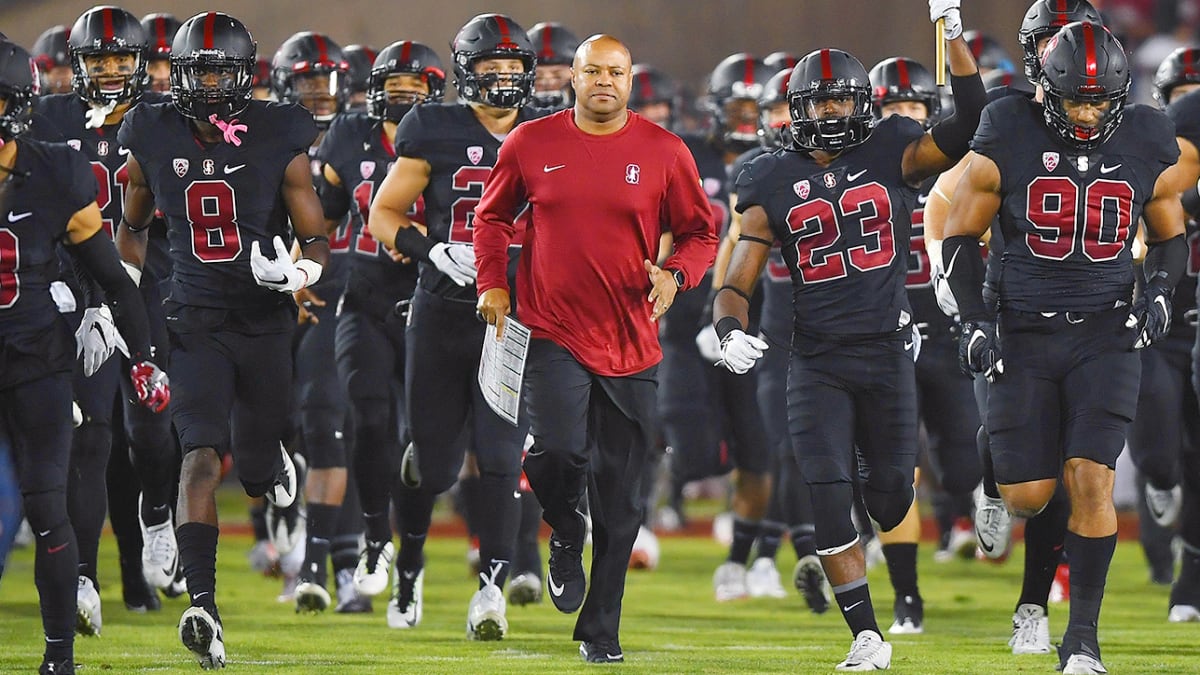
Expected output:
(709, 344)
(456, 261)
(915, 345)
(63, 298)
(282, 274)
(96, 338)
(739, 351)
(941, 290)
(948, 10)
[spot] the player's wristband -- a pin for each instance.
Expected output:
(726, 325)
(129, 226)
(413, 244)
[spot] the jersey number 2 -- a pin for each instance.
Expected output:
(819, 225)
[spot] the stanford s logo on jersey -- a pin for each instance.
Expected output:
(180, 164)
(102, 148)
(632, 173)
(801, 188)
(475, 153)
(829, 179)
(208, 167)
(366, 168)
(1050, 160)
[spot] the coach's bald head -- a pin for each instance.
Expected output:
(601, 76)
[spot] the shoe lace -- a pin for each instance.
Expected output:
(863, 648)
(1025, 631)
(490, 577)
(160, 548)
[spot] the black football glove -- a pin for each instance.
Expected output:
(1151, 316)
(979, 350)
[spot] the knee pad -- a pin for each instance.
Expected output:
(887, 494)
(257, 471)
(149, 433)
(46, 511)
(831, 514)
(822, 470)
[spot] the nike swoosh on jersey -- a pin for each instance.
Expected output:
(233, 169)
(14, 217)
(547, 168)
(1109, 169)
(122, 151)
(854, 176)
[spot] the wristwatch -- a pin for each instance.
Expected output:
(677, 275)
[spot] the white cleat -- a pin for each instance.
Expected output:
(867, 652)
(1183, 614)
(311, 598)
(993, 525)
(645, 550)
(202, 634)
(160, 553)
(374, 563)
(1164, 505)
(762, 580)
(1083, 664)
(722, 528)
(729, 582)
(525, 589)
(286, 486)
(87, 609)
(1030, 630)
(485, 614)
(404, 609)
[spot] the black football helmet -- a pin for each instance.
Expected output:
(651, 85)
(1181, 67)
(1084, 62)
(904, 79)
(777, 61)
(262, 72)
(306, 54)
(399, 58)
(107, 30)
(361, 59)
(737, 77)
(555, 45)
(493, 36)
(160, 34)
(774, 136)
(1043, 19)
(988, 53)
(19, 84)
(829, 74)
(51, 49)
(212, 43)
(1010, 81)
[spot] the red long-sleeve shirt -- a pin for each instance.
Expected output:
(599, 204)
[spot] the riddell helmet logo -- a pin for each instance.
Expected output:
(632, 173)
(1050, 160)
(802, 189)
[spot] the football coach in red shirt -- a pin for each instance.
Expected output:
(602, 183)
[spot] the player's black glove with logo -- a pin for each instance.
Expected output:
(979, 350)
(1151, 316)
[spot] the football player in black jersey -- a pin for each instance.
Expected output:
(49, 194)
(356, 153)
(1044, 533)
(108, 51)
(1164, 439)
(160, 30)
(228, 174)
(555, 45)
(311, 70)
(445, 153)
(841, 203)
(1070, 180)
(53, 60)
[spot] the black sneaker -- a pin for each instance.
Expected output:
(565, 578)
(63, 667)
(910, 616)
(601, 652)
(137, 594)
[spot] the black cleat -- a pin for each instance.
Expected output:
(63, 667)
(909, 611)
(601, 652)
(565, 578)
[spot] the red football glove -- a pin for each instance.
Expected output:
(151, 384)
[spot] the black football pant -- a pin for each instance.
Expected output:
(948, 410)
(320, 403)
(597, 432)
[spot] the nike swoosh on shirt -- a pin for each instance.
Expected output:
(854, 176)
(233, 169)
(14, 217)
(547, 168)
(122, 151)
(1109, 169)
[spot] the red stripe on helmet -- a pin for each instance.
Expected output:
(160, 29)
(826, 65)
(371, 54)
(1090, 67)
(902, 73)
(748, 76)
(106, 17)
(547, 45)
(322, 49)
(506, 41)
(644, 85)
(405, 51)
(1189, 62)
(1063, 18)
(210, 22)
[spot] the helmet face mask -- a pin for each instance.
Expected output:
(389, 97)
(108, 56)
(829, 95)
(1084, 67)
(484, 51)
(310, 70)
(212, 67)
(19, 85)
(555, 46)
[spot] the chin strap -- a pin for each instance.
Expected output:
(230, 129)
(96, 114)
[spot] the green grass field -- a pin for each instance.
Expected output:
(671, 624)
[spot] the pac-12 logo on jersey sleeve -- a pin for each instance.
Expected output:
(74, 143)
(1050, 160)
(180, 164)
(475, 153)
(367, 169)
(802, 188)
